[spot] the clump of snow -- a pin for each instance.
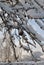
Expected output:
(6, 15)
(1, 20)
(4, 44)
(0, 10)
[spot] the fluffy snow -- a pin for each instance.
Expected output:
(36, 27)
